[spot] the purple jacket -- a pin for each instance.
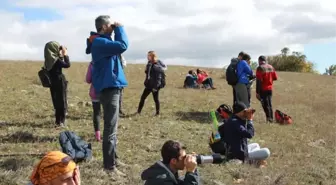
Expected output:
(92, 91)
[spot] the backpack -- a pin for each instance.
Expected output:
(163, 81)
(75, 147)
(44, 77)
(282, 118)
(231, 74)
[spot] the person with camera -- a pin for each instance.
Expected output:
(108, 78)
(235, 133)
(265, 74)
(174, 158)
(55, 58)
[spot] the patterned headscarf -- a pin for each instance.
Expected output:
(51, 166)
(51, 54)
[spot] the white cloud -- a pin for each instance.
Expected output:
(190, 32)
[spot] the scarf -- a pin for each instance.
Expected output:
(51, 54)
(51, 166)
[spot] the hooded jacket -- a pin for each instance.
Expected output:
(154, 76)
(160, 174)
(107, 68)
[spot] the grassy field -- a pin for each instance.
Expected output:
(302, 153)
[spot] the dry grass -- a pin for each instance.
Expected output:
(303, 153)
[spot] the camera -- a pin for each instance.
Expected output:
(210, 159)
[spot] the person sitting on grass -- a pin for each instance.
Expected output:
(55, 168)
(191, 80)
(203, 78)
(235, 133)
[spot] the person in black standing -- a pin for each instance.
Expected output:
(55, 58)
(153, 82)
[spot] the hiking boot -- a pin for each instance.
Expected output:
(270, 120)
(115, 172)
(120, 164)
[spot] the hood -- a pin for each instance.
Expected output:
(158, 171)
(234, 60)
(92, 36)
(89, 40)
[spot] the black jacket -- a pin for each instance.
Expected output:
(160, 174)
(235, 133)
(154, 76)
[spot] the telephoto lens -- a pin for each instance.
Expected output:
(210, 159)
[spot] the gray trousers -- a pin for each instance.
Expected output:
(242, 93)
(109, 99)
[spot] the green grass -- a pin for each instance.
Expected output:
(302, 153)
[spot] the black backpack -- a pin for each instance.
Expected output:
(44, 77)
(163, 81)
(231, 74)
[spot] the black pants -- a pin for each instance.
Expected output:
(234, 95)
(144, 95)
(266, 102)
(58, 91)
(96, 115)
(209, 82)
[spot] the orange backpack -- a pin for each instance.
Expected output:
(282, 118)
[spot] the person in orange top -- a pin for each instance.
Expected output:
(55, 168)
(265, 75)
(203, 78)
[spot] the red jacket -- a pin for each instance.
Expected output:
(265, 75)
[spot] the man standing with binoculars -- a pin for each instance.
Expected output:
(108, 79)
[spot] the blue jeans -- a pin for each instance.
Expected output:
(109, 99)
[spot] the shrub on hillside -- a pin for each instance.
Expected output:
(296, 62)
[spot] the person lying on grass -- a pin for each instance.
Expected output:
(56, 168)
(235, 133)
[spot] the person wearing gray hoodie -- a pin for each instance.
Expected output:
(165, 172)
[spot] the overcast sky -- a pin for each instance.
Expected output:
(186, 32)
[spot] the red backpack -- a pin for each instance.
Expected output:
(282, 118)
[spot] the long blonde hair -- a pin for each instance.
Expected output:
(153, 54)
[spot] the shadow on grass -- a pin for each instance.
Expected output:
(200, 117)
(45, 124)
(14, 164)
(26, 137)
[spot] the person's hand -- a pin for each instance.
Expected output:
(64, 51)
(258, 97)
(76, 176)
(117, 24)
(190, 163)
(249, 114)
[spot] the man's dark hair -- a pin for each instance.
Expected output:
(262, 58)
(171, 150)
(190, 72)
(241, 54)
(246, 57)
